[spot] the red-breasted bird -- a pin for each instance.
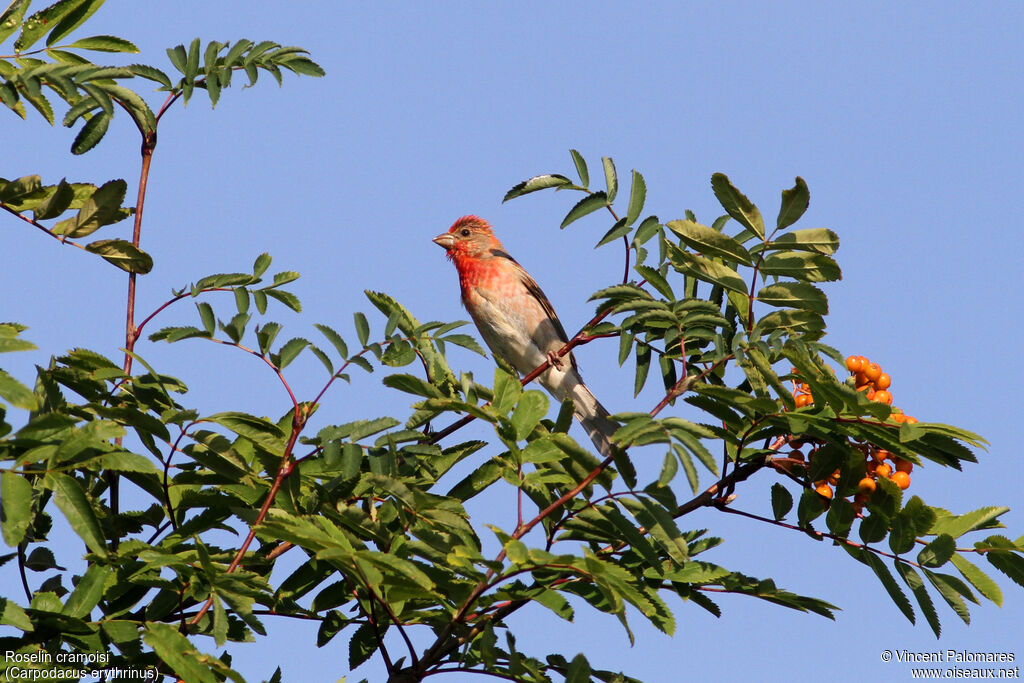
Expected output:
(517, 321)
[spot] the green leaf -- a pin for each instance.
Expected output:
(589, 204)
(619, 229)
(656, 280)
(102, 208)
(11, 18)
(637, 197)
(91, 134)
(16, 393)
(11, 614)
(794, 203)
(578, 671)
(15, 191)
(88, 592)
(581, 167)
(531, 407)
(669, 468)
(16, 506)
(258, 430)
(42, 21)
(192, 61)
(178, 653)
(57, 203)
(540, 182)
(953, 591)
(362, 645)
(958, 525)
(916, 585)
(72, 501)
(817, 240)
(362, 328)
(334, 338)
(105, 44)
(643, 366)
(611, 179)
(897, 595)
(178, 57)
(938, 552)
(710, 242)
(979, 579)
(122, 254)
(151, 73)
(706, 269)
(737, 205)
(782, 501)
(795, 295)
(287, 298)
(75, 18)
(351, 460)
(802, 266)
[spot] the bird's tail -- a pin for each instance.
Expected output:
(593, 416)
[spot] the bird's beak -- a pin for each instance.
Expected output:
(445, 240)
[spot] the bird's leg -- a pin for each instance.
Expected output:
(554, 360)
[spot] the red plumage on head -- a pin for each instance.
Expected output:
(470, 221)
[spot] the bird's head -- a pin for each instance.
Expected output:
(470, 236)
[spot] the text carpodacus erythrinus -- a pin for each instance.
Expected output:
(517, 321)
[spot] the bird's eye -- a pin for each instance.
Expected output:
(464, 232)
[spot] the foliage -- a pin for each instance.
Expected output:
(389, 553)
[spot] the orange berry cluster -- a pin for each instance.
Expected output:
(867, 377)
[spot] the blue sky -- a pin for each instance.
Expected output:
(904, 119)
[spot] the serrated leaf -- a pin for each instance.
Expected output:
(291, 349)
(75, 18)
(11, 18)
(16, 393)
(589, 204)
(794, 203)
(42, 21)
(150, 73)
(287, 298)
(737, 205)
(105, 44)
(817, 240)
(72, 501)
(938, 552)
(91, 134)
(979, 579)
(362, 328)
(637, 197)
(261, 264)
(611, 179)
(57, 203)
(782, 501)
(916, 585)
(539, 182)
(334, 338)
(122, 254)
(795, 295)
(804, 266)
(706, 269)
(581, 167)
(88, 592)
(178, 653)
(16, 504)
(709, 242)
(531, 407)
(102, 208)
(889, 583)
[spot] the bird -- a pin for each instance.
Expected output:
(517, 321)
